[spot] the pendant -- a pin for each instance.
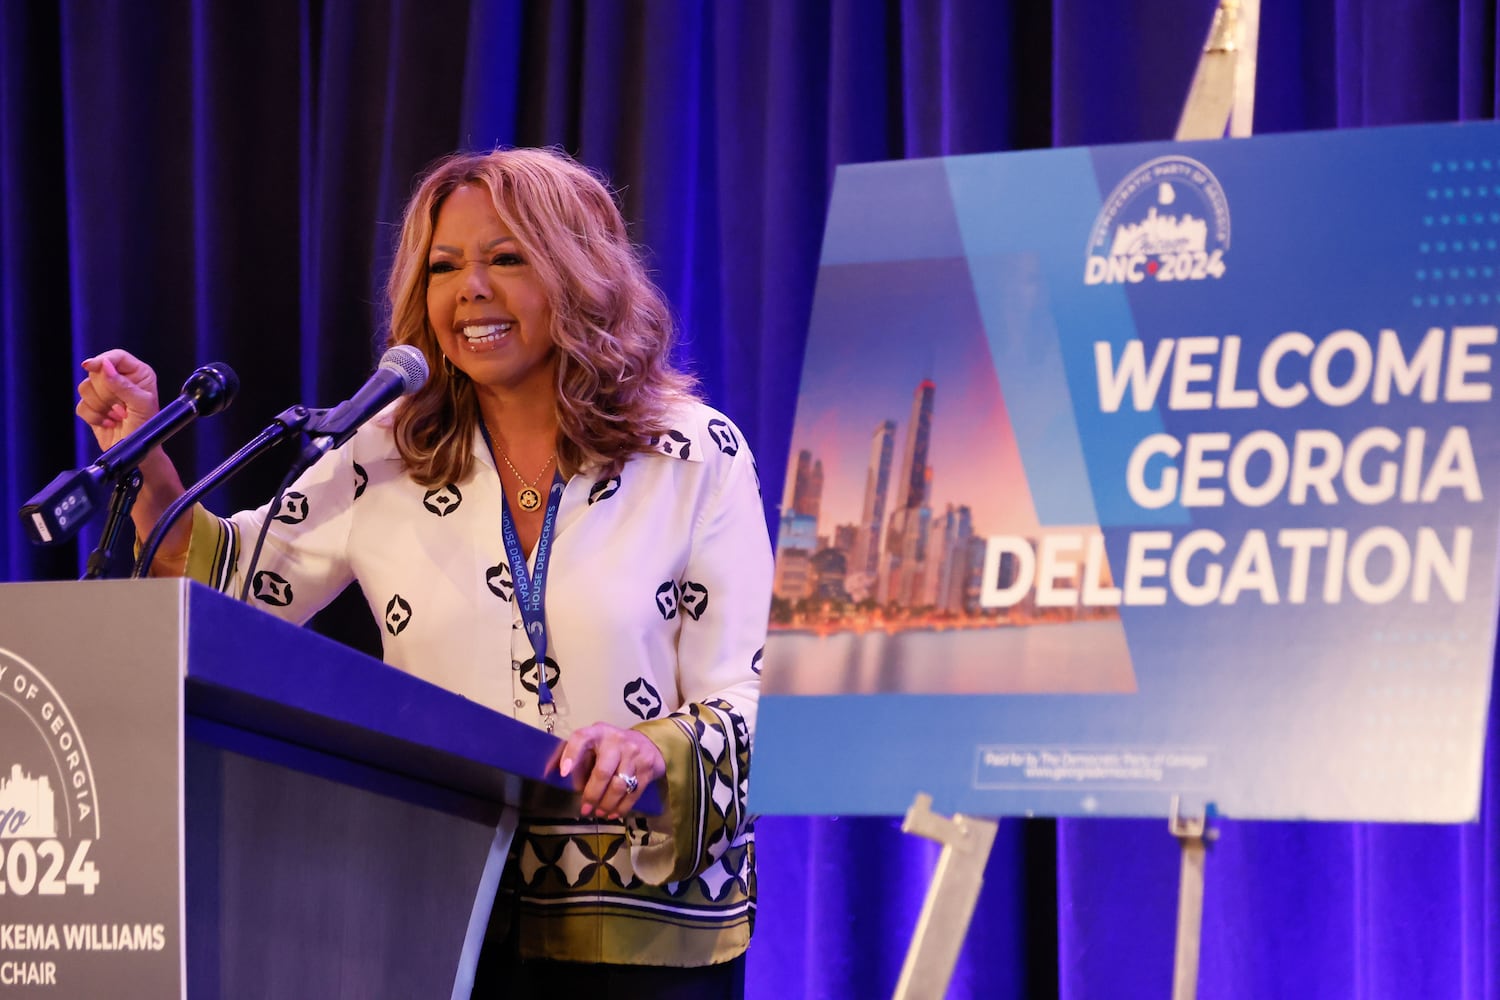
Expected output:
(529, 499)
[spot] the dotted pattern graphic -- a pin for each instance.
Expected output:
(1460, 246)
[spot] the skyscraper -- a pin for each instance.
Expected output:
(914, 473)
(950, 555)
(905, 539)
(877, 484)
(807, 485)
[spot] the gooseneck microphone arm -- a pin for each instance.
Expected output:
(401, 372)
(287, 423)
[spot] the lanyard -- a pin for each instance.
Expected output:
(531, 588)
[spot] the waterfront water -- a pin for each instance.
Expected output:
(1072, 658)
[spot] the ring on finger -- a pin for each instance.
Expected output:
(629, 781)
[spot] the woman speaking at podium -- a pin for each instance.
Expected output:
(553, 526)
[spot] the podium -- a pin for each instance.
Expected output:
(198, 799)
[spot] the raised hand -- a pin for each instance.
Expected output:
(118, 395)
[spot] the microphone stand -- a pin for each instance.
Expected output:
(119, 509)
(326, 429)
(320, 436)
(288, 422)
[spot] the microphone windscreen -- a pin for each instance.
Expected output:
(409, 363)
(211, 388)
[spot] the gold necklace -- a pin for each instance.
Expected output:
(528, 498)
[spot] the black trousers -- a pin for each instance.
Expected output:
(544, 978)
(502, 973)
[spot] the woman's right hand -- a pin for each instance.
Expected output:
(118, 395)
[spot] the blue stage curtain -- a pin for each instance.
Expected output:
(199, 180)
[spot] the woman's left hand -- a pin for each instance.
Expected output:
(610, 767)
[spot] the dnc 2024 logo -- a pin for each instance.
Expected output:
(49, 814)
(1167, 221)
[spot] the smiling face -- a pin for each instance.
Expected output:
(487, 306)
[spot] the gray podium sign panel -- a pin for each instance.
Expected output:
(90, 751)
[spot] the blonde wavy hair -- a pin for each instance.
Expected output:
(612, 327)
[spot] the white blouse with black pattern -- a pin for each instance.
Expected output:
(657, 590)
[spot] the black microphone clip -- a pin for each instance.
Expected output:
(402, 371)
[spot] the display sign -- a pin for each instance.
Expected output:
(1144, 471)
(90, 811)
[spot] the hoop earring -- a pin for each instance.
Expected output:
(454, 381)
(452, 376)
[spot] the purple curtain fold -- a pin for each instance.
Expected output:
(200, 181)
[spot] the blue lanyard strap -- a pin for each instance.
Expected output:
(531, 588)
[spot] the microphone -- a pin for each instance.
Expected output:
(57, 512)
(402, 371)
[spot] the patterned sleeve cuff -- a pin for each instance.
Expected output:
(213, 550)
(707, 751)
(654, 840)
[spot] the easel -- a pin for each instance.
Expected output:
(950, 897)
(960, 871)
(1223, 88)
(1222, 94)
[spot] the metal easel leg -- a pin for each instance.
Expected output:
(1244, 70)
(1224, 82)
(1194, 835)
(950, 897)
